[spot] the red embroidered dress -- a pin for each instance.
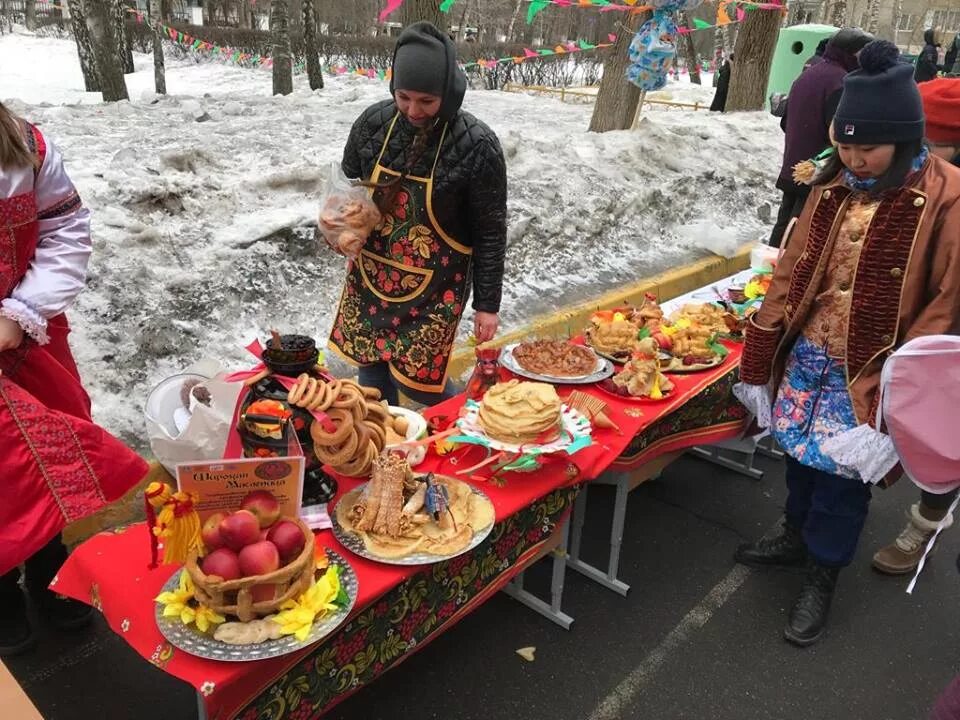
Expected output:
(56, 465)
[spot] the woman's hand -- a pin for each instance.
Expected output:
(11, 334)
(485, 325)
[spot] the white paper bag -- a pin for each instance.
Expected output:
(179, 434)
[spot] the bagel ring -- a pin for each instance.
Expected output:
(296, 392)
(378, 436)
(309, 393)
(349, 396)
(338, 455)
(325, 439)
(323, 392)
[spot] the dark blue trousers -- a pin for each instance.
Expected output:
(829, 510)
(378, 376)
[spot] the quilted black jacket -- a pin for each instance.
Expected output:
(469, 189)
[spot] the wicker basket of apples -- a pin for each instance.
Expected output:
(255, 560)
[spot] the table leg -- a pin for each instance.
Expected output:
(201, 708)
(768, 448)
(608, 579)
(579, 519)
(715, 455)
(550, 610)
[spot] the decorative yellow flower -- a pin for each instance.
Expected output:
(444, 446)
(297, 616)
(619, 317)
(205, 618)
(177, 604)
(753, 290)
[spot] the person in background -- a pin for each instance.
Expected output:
(719, 103)
(811, 103)
(951, 63)
(887, 215)
(57, 466)
(941, 105)
(439, 179)
(928, 60)
(817, 56)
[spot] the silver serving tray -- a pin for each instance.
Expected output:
(354, 543)
(604, 370)
(189, 639)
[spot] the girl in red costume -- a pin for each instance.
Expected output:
(56, 465)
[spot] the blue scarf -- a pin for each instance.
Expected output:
(864, 184)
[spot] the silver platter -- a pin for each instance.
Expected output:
(605, 370)
(354, 543)
(194, 642)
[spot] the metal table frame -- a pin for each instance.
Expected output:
(624, 482)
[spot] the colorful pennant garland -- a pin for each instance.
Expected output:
(632, 6)
(242, 58)
(528, 54)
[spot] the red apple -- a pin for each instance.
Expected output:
(289, 539)
(222, 563)
(259, 559)
(239, 529)
(264, 505)
(210, 533)
(260, 593)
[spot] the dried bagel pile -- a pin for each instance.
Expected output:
(359, 419)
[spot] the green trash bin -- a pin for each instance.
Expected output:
(795, 45)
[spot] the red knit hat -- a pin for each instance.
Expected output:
(941, 104)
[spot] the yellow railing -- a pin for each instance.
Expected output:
(581, 95)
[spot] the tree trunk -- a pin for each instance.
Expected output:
(513, 20)
(461, 30)
(689, 50)
(314, 71)
(873, 17)
(30, 14)
(838, 13)
(159, 69)
(752, 60)
(100, 22)
(415, 10)
(81, 34)
(124, 49)
(617, 99)
(280, 40)
(730, 32)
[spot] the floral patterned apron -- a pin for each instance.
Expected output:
(404, 295)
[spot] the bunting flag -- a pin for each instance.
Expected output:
(634, 6)
(528, 54)
(446, 5)
(391, 6)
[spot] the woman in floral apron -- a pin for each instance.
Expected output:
(438, 176)
(56, 465)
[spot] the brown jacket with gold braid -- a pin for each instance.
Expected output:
(906, 284)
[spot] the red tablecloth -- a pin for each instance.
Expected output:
(110, 570)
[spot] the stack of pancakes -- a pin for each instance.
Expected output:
(521, 412)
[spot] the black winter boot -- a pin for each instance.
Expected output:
(62, 612)
(787, 548)
(16, 635)
(808, 618)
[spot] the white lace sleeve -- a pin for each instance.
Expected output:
(58, 271)
(868, 452)
(758, 400)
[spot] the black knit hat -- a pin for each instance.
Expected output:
(880, 103)
(425, 60)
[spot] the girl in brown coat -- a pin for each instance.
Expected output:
(873, 261)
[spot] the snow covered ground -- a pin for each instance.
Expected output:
(201, 227)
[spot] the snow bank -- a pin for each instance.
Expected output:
(202, 228)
